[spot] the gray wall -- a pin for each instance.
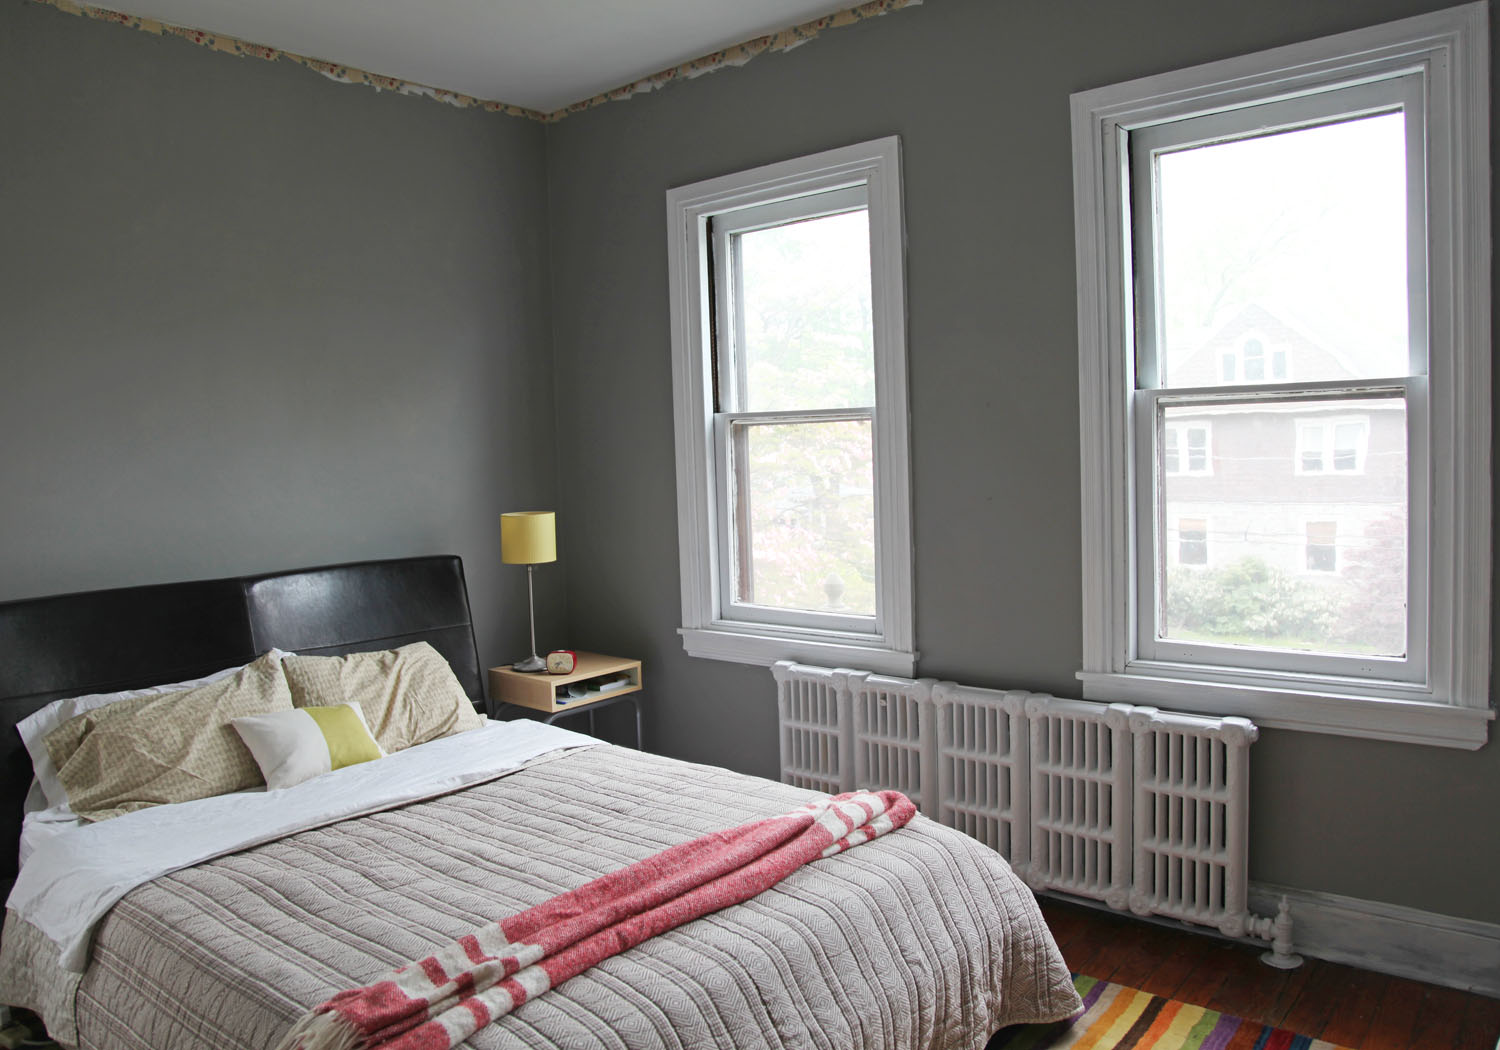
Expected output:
(978, 91)
(253, 319)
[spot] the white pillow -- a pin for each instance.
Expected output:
(306, 742)
(46, 790)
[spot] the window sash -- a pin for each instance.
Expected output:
(727, 274)
(730, 534)
(1150, 528)
(1397, 92)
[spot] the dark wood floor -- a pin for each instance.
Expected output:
(1346, 1006)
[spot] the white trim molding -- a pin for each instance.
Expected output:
(1439, 691)
(1389, 938)
(708, 629)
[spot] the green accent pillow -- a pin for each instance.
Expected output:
(349, 742)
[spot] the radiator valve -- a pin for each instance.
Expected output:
(1279, 932)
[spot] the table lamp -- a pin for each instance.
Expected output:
(529, 538)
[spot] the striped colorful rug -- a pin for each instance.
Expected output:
(1115, 1017)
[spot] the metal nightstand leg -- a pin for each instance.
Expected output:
(633, 698)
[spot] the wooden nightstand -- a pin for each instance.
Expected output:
(549, 697)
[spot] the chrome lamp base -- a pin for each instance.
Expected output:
(532, 663)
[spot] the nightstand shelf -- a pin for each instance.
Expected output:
(549, 697)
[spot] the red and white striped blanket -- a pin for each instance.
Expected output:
(438, 1002)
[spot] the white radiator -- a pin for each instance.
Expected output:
(1136, 807)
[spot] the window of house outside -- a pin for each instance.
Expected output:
(790, 382)
(1289, 252)
(1335, 446)
(1322, 546)
(1186, 448)
(1192, 541)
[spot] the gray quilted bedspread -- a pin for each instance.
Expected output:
(922, 939)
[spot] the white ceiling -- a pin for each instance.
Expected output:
(541, 54)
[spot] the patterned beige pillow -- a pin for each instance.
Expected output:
(407, 695)
(169, 748)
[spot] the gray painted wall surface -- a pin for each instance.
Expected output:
(978, 92)
(253, 319)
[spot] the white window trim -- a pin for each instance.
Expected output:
(1451, 707)
(890, 648)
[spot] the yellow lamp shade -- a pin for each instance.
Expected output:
(528, 537)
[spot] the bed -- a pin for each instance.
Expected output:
(921, 939)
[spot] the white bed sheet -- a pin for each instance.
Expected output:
(76, 872)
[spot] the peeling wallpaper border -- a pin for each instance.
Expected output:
(736, 55)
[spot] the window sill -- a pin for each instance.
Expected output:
(1372, 718)
(743, 644)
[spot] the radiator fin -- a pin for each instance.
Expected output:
(1191, 813)
(981, 759)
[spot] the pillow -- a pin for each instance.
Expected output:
(306, 742)
(35, 727)
(408, 695)
(171, 747)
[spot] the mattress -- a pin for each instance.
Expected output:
(921, 939)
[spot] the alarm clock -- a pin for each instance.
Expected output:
(561, 661)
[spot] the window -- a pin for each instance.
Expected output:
(1333, 446)
(1322, 546)
(1192, 541)
(1247, 363)
(1328, 200)
(1185, 448)
(790, 386)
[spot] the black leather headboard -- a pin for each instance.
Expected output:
(106, 641)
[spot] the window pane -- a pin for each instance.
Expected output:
(805, 515)
(808, 338)
(1299, 237)
(1197, 441)
(1255, 361)
(1290, 558)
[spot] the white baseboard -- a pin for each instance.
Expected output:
(1388, 938)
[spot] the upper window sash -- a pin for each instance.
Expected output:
(728, 274)
(1399, 91)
